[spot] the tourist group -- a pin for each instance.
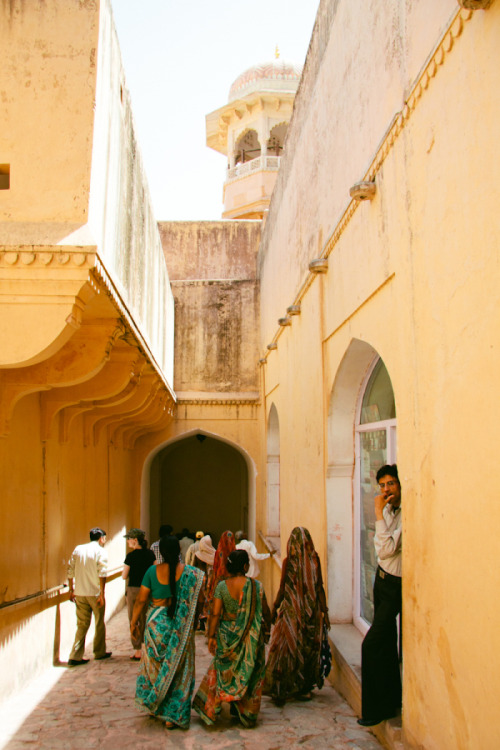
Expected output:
(183, 584)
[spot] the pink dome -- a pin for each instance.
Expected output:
(277, 75)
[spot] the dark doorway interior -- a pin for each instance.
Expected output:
(199, 482)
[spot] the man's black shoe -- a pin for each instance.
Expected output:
(77, 662)
(104, 656)
(373, 722)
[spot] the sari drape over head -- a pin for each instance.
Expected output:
(166, 679)
(294, 665)
(219, 572)
(236, 672)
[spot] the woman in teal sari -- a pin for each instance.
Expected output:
(237, 632)
(166, 679)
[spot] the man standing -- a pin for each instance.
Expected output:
(380, 673)
(88, 566)
(242, 542)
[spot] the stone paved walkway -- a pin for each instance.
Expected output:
(93, 707)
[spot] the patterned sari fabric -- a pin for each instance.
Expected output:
(166, 681)
(219, 572)
(294, 665)
(237, 671)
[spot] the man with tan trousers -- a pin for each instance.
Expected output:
(88, 567)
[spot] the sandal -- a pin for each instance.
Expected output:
(304, 697)
(169, 725)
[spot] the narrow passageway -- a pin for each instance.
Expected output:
(93, 707)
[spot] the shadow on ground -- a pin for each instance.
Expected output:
(92, 706)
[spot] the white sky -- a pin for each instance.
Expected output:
(180, 58)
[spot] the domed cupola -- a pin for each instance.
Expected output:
(250, 130)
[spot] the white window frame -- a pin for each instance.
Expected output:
(390, 425)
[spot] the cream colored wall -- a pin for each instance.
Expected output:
(413, 277)
(49, 53)
(248, 194)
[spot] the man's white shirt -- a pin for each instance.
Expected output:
(87, 564)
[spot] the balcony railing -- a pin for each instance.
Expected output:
(261, 163)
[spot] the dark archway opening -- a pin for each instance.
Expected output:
(199, 482)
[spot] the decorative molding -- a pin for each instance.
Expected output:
(435, 60)
(475, 4)
(363, 191)
(218, 402)
(285, 321)
(452, 32)
(272, 346)
(293, 310)
(319, 265)
(33, 255)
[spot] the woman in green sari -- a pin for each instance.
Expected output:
(166, 679)
(237, 632)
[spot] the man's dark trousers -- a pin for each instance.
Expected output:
(380, 674)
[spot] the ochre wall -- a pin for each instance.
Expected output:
(413, 276)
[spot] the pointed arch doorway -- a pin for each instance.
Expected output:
(199, 482)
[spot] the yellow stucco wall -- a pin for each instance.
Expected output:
(413, 276)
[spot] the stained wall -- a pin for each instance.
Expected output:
(412, 277)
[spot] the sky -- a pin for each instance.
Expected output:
(180, 59)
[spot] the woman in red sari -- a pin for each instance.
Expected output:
(299, 655)
(219, 571)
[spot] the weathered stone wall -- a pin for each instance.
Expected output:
(210, 249)
(212, 266)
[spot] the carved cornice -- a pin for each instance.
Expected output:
(45, 257)
(216, 402)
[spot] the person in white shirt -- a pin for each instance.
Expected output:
(380, 672)
(87, 570)
(242, 542)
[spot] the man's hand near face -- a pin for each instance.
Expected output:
(380, 503)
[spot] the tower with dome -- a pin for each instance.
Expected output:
(250, 130)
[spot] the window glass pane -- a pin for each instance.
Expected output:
(373, 455)
(378, 401)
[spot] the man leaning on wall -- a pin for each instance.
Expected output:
(380, 672)
(87, 570)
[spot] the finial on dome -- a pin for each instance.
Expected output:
(277, 52)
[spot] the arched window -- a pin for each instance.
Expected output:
(273, 473)
(375, 446)
(276, 139)
(247, 147)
